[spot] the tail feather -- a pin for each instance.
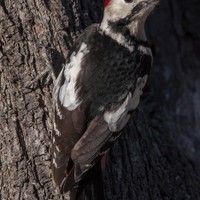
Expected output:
(91, 186)
(68, 182)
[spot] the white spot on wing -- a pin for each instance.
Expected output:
(57, 132)
(57, 149)
(88, 165)
(54, 162)
(68, 91)
(55, 93)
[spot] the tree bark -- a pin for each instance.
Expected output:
(157, 157)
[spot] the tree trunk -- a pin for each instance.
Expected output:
(157, 157)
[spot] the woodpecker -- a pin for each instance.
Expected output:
(98, 89)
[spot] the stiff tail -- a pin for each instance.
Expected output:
(91, 186)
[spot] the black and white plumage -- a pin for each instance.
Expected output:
(98, 89)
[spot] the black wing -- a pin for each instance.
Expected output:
(87, 128)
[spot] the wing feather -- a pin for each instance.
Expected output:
(86, 151)
(67, 131)
(77, 142)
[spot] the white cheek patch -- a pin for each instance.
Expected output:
(118, 9)
(68, 91)
(105, 27)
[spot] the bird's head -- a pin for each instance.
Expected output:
(127, 13)
(133, 9)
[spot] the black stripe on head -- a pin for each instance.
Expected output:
(127, 20)
(137, 8)
(121, 27)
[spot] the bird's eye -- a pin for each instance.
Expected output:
(128, 1)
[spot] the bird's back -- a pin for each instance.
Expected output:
(109, 71)
(94, 94)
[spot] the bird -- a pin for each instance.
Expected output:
(99, 88)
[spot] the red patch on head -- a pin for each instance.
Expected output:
(106, 3)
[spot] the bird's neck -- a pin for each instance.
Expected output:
(122, 33)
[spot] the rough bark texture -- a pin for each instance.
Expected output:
(158, 156)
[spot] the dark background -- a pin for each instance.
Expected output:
(165, 153)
